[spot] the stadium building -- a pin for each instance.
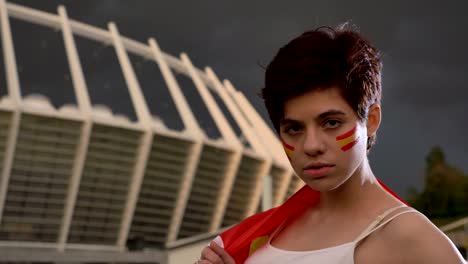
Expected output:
(84, 185)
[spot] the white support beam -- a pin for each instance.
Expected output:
(32, 15)
(135, 187)
(164, 61)
(184, 192)
(220, 120)
(145, 119)
(192, 127)
(243, 124)
(139, 103)
(12, 78)
(79, 82)
(74, 183)
(91, 32)
(81, 93)
(283, 187)
(14, 94)
(8, 158)
(180, 102)
(228, 184)
(253, 140)
(229, 137)
(269, 139)
(258, 190)
(267, 201)
(225, 190)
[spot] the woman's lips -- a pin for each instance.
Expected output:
(318, 171)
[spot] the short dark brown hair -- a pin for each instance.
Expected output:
(320, 59)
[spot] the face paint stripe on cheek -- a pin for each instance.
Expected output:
(347, 140)
(347, 134)
(349, 146)
(288, 149)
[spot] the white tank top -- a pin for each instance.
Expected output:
(341, 254)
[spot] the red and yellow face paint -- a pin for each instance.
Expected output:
(347, 140)
(288, 149)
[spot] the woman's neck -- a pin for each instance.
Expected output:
(358, 192)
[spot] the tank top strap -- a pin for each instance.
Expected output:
(377, 223)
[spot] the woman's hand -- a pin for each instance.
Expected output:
(214, 254)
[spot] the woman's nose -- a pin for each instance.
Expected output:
(313, 143)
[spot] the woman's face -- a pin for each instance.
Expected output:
(323, 138)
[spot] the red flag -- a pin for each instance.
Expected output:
(244, 238)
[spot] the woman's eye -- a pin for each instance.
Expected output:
(292, 130)
(332, 123)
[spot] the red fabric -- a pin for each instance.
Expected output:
(237, 239)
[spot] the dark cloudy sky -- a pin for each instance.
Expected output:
(425, 46)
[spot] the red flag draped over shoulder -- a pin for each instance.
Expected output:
(243, 239)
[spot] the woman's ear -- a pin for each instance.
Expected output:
(373, 119)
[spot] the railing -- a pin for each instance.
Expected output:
(457, 231)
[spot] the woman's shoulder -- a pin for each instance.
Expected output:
(417, 239)
(409, 225)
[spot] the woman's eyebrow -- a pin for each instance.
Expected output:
(286, 121)
(329, 113)
(324, 115)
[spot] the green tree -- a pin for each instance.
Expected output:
(445, 192)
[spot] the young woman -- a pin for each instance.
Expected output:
(323, 92)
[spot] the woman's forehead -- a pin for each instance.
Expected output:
(316, 103)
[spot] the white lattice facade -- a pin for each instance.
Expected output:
(80, 177)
